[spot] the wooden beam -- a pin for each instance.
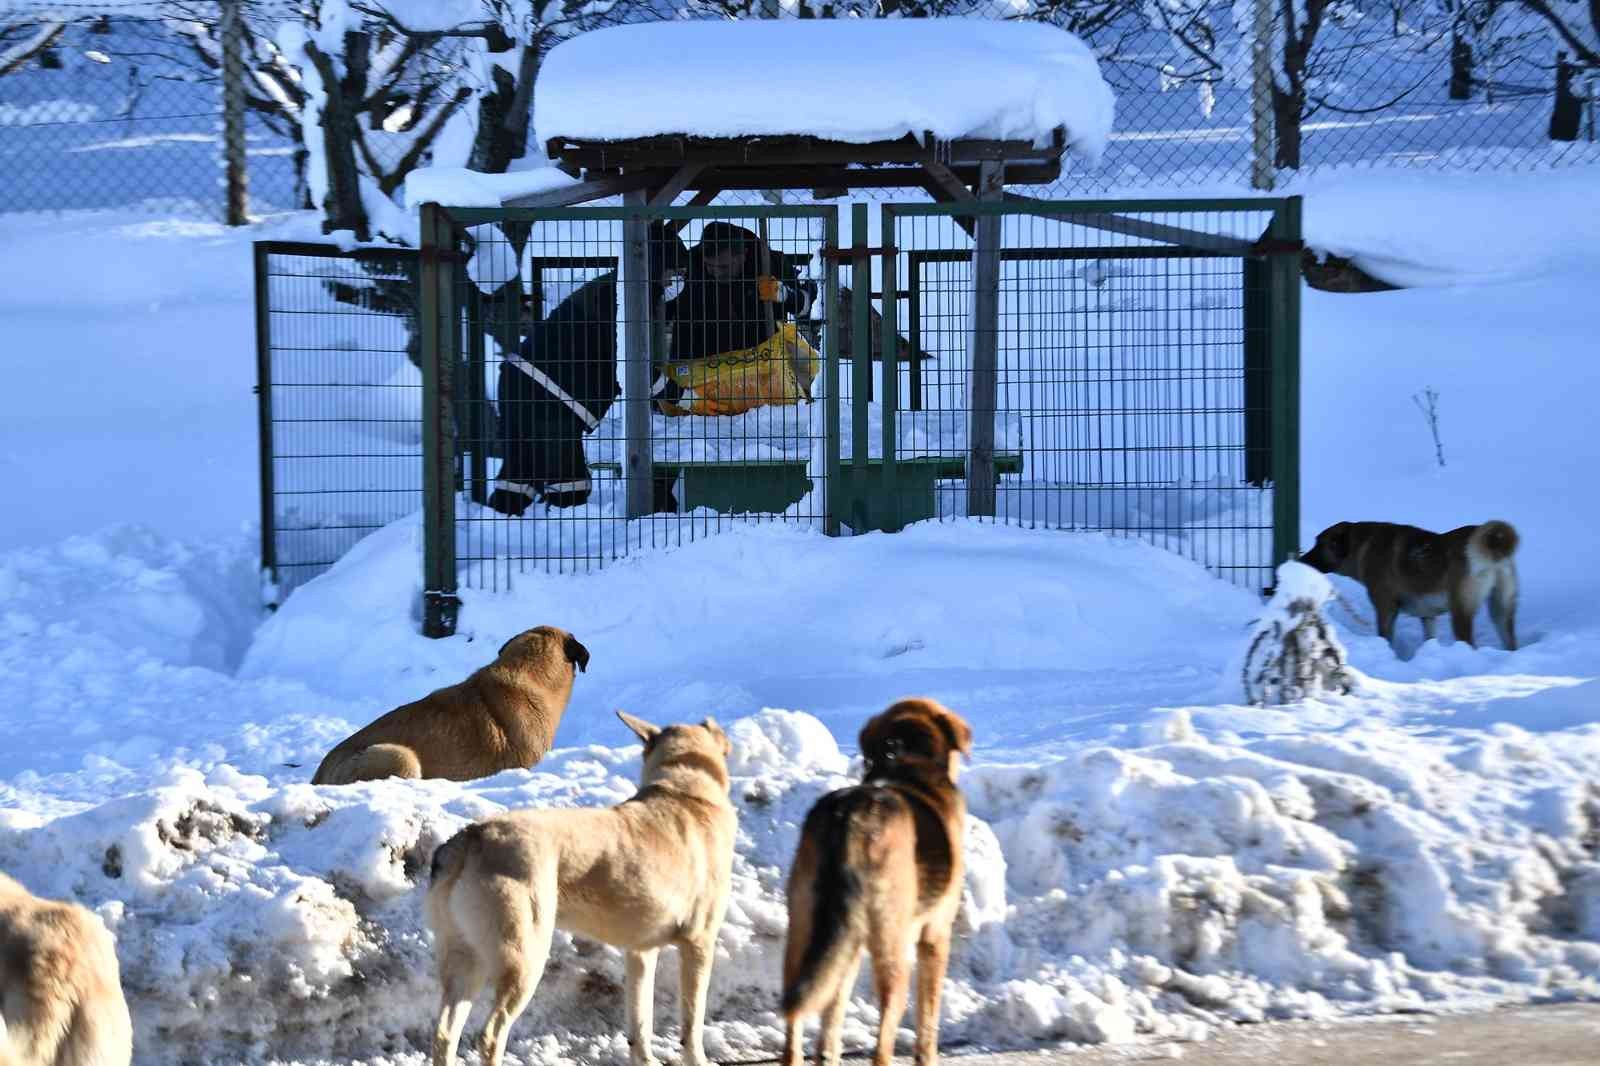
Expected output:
(680, 180)
(946, 187)
(672, 150)
(838, 176)
(702, 198)
(593, 189)
(983, 389)
(634, 301)
(1138, 227)
(954, 190)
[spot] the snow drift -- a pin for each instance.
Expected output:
(1157, 889)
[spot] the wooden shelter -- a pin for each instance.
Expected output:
(652, 172)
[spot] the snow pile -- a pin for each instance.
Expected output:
(1114, 892)
(775, 615)
(856, 80)
(1293, 653)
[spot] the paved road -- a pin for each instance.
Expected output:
(1557, 1035)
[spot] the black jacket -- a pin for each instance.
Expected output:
(709, 317)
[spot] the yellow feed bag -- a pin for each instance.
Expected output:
(779, 370)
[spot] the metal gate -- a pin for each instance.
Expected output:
(339, 402)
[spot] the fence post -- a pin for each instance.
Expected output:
(984, 343)
(634, 280)
(832, 325)
(860, 367)
(440, 330)
(264, 443)
(233, 137)
(888, 334)
(1261, 169)
(1285, 274)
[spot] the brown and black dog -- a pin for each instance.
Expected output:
(1427, 574)
(879, 868)
(501, 718)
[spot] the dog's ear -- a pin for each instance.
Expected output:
(1338, 536)
(717, 731)
(641, 728)
(506, 645)
(577, 653)
(956, 731)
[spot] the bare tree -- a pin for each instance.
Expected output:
(25, 38)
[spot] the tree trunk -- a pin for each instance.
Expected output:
(503, 115)
(342, 208)
(1460, 67)
(1287, 107)
(1567, 113)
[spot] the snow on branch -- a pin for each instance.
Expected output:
(1293, 653)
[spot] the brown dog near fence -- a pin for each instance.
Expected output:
(651, 872)
(879, 869)
(501, 718)
(1425, 574)
(60, 991)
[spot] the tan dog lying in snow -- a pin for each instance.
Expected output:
(503, 717)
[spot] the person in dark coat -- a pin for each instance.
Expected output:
(727, 304)
(560, 384)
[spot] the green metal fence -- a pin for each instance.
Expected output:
(1129, 367)
(1134, 372)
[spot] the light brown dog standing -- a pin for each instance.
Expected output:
(880, 869)
(60, 988)
(1418, 572)
(650, 872)
(503, 717)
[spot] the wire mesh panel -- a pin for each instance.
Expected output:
(340, 401)
(624, 379)
(1131, 392)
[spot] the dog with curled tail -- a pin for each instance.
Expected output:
(503, 717)
(1414, 571)
(652, 872)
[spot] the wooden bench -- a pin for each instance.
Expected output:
(770, 486)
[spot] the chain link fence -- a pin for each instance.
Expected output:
(123, 106)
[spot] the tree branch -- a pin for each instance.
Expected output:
(18, 54)
(396, 177)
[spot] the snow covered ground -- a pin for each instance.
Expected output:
(1148, 855)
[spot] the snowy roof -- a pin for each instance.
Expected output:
(460, 187)
(854, 80)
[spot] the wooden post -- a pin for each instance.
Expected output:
(233, 137)
(440, 331)
(984, 345)
(1261, 55)
(634, 300)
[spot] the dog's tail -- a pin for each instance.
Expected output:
(452, 855)
(1495, 540)
(840, 831)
